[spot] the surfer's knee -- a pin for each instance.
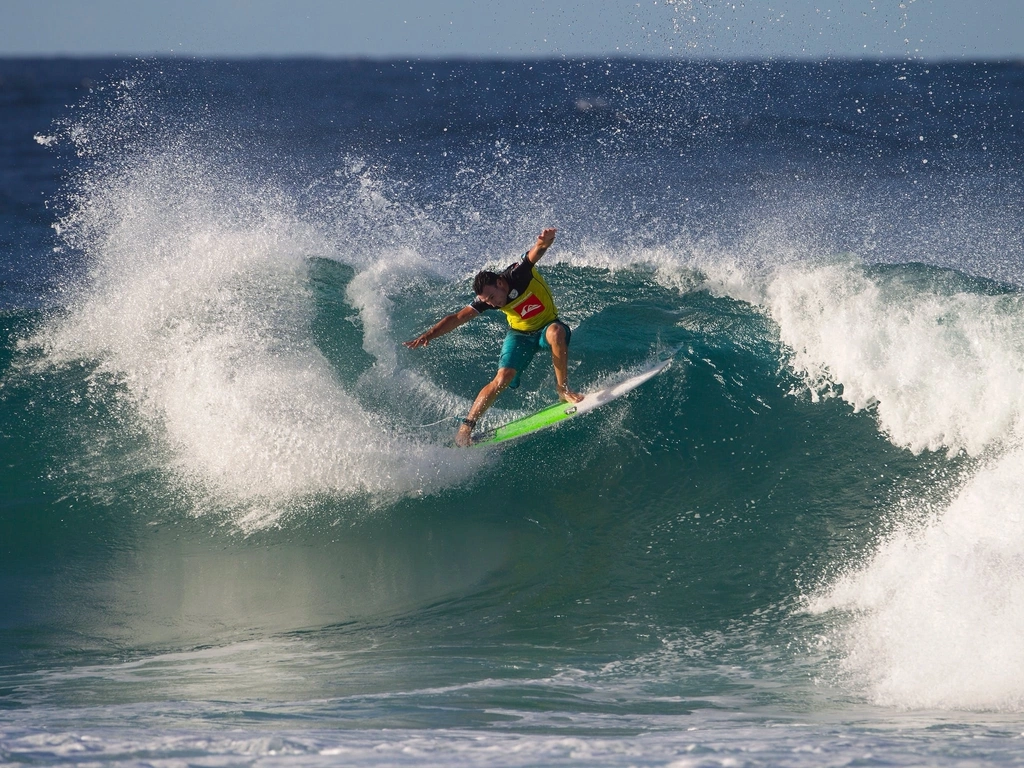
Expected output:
(555, 335)
(504, 377)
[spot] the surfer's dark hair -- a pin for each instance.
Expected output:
(482, 280)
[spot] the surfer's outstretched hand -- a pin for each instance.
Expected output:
(544, 241)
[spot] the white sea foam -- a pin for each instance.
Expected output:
(940, 371)
(939, 612)
(197, 303)
(935, 615)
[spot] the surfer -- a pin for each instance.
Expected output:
(521, 293)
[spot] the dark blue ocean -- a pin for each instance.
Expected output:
(234, 529)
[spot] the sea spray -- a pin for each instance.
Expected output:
(938, 360)
(196, 302)
(937, 612)
(942, 369)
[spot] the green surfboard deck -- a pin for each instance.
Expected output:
(553, 414)
(543, 418)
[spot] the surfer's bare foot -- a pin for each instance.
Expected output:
(464, 437)
(568, 396)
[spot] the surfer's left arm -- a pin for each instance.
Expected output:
(544, 241)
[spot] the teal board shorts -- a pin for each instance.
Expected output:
(520, 346)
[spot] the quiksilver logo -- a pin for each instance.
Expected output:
(530, 308)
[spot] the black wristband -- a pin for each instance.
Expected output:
(471, 423)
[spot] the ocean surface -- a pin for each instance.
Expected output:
(234, 529)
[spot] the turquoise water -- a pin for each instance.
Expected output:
(235, 528)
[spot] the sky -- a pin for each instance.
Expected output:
(925, 29)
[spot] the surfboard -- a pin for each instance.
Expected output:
(551, 415)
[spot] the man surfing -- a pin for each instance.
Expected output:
(521, 293)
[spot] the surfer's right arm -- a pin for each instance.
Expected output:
(447, 323)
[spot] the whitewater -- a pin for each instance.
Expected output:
(236, 527)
